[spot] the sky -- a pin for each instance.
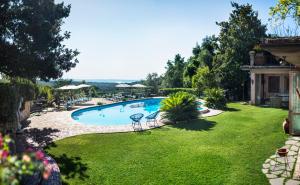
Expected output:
(127, 39)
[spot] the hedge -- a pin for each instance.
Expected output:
(10, 94)
(167, 91)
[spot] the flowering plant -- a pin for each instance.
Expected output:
(14, 167)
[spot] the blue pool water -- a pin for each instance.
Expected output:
(118, 113)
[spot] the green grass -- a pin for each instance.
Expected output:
(225, 149)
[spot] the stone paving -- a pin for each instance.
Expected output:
(42, 129)
(55, 125)
(280, 173)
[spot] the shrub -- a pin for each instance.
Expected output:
(16, 167)
(99, 103)
(180, 106)
(215, 98)
(203, 79)
(46, 92)
(10, 95)
(168, 91)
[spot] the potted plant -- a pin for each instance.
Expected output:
(260, 57)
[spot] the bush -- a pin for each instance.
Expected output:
(15, 168)
(168, 91)
(215, 98)
(100, 103)
(203, 79)
(180, 106)
(46, 92)
(10, 95)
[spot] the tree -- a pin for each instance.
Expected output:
(31, 39)
(210, 43)
(204, 79)
(286, 8)
(62, 82)
(237, 37)
(174, 74)
(196, 49)
(282, 11)
(153, 81)
(202, 56)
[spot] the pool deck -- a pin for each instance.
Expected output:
(54, 125)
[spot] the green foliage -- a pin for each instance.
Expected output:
(153, 81)
(210, 43)
(99, 103)
(93, 92)
(221, 147)
(215, 98)
(46, 92)
(174, 75)
(11, 93)
(203, 79)
(205, 58)
(9, 104)
(257, 48)
(237, 37)
(31, 39)
(202, 58)
(62, 82)
(286, 8)
(168, 91)
(283, 14)
(179, 107)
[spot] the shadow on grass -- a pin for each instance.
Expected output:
(35, 138)
(196, 125)
(143, 132)
(41, 137)
(71, 167)
(230, 109)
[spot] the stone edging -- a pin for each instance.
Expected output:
(279, 174)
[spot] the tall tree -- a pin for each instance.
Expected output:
(210, 43)
(237, 37)
(174, 74)
(153, 81)
(31, 39)
(286, 8)
(202, 57)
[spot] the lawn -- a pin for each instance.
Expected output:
(225, 149)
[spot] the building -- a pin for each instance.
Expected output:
(275, 76)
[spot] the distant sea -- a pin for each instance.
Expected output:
(106, 80)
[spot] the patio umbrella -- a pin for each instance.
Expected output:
(139, 86)
(83, 86)
(123, 86)
(68, 87)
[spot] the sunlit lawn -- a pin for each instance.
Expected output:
(225, 149)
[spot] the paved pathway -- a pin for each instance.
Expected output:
(278, 172)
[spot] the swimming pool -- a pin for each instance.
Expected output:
(117, 113)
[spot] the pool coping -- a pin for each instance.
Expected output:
(61, 125)
(203, 111)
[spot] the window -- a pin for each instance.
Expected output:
(274, 83)
(286, 84)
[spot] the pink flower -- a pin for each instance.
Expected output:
(39, 155)
(1, 141)
(4, 154)
(45, 162)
